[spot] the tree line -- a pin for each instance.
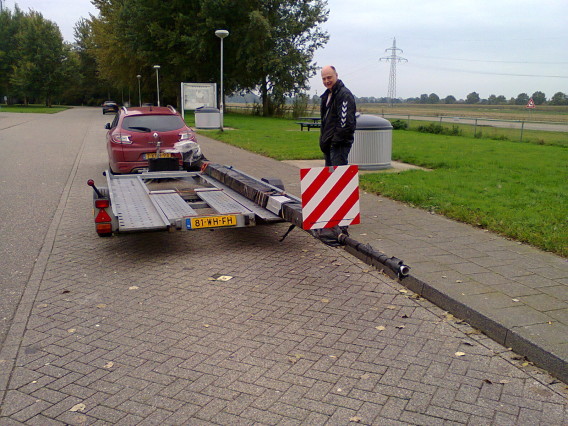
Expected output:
(538, 97)
(269, 51)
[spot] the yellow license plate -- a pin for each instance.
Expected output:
(162, 155)
(211, 221)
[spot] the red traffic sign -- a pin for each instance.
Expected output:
(530, 103)
(330, 196)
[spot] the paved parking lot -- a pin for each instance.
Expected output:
(235, 327)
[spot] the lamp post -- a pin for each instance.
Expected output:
(221, 34)
(157, 67)
(139, 92)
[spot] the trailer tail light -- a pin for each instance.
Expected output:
(103, 228)
(102, 204)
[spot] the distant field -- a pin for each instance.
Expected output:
(552, 114)
(549, 114)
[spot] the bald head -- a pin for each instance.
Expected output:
(329, 76)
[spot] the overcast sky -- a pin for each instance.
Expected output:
(453, 47)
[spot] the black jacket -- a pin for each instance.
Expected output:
(337, 118)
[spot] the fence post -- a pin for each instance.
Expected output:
(522, 128)
(475, 128)
(408, 124)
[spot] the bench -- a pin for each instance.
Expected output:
(312, 125)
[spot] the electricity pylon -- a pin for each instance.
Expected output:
(393, 58)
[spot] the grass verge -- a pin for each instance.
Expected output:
(518, 190)
(36, 109)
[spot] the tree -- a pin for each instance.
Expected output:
(472, 98)
(522, 99)
(539, 98)
(423, 98)
(433, 98)
(559, 98)
(270, 46)
(39, 71)
(9, 26)
(450, 99)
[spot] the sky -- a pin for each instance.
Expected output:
(451, 47)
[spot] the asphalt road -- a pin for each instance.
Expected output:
(38, 154)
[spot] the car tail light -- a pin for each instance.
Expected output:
(187, 136)
(120, 138)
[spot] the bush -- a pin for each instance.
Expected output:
(438, 129)
(399, 125)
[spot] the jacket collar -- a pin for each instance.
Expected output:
(338, 85)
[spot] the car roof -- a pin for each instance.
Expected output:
(150, 110)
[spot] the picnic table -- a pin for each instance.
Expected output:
(309, 122)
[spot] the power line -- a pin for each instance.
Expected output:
(490, 61)
(393, 58)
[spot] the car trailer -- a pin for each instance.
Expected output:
(182, 200)
(215, 197)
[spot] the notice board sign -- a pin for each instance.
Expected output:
(196, 95)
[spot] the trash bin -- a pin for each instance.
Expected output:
(372, 147)
(207, 118)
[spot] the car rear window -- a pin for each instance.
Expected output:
(156, 123)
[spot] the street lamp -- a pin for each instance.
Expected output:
(157, 67)
(221, 34)
(139, 92)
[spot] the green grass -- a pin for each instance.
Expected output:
(37, 109)
(277, 138)
(518, 190)
(500, 133)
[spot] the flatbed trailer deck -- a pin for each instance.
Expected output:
(180, 200)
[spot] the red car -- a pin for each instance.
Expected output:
(138, 134)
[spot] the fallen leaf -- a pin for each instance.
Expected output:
(549, 322)
(355, 419)
(449, 317)
(380, 327)
(503, 382)
(524, 364)
(133, 287)
(72, 330)
(339, 389)
(43, 305)
(459, 354)
(206, 325)
(404, 316)
(324, 300)
(332, 356)
(78, 407)
(295, 358)
(102, 305)
(391, 307)
(468, 344)
(366, 376)
(487, 381)
(109, 364)
(403, 291)
(400, 326)
(224, 278)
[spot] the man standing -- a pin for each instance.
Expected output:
(337, 119)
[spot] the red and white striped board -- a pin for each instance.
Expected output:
(330, 196)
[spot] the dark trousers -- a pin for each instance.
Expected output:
(337, 155)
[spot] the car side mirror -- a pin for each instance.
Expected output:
(107, 126)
